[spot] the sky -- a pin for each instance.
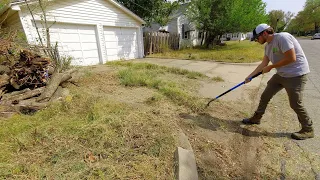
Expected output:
(293, 6)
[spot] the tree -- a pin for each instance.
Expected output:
(299, 26)
(307, 20)
(152, 11)
(216, 17)
(246, 14)
(278, 19)
(312, 10)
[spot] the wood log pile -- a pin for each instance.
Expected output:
(29, 84)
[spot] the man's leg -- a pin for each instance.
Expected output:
(273, 86)
(294, 87)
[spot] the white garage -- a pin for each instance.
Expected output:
(77, 41)
(90, 31)
(121, 43)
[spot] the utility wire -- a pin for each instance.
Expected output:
(140, 6)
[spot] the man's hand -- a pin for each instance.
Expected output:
(267, 69)
(247, 80)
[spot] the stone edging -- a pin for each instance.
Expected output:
(184, 160)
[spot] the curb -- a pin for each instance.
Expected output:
(185, 167)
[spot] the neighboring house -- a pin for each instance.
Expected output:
(249, 35)
(234, 37)
(179, 24)
(91, 31)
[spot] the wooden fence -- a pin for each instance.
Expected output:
(158, 42)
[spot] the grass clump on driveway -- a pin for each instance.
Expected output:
(234, 52)
(144, 74)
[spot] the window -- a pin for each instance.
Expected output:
(182, 31)
(200, 35)
(186, 35)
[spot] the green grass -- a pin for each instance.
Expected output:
(218, 79)
(144, 74)
(234, 52)
(156, 69)
(303, 37)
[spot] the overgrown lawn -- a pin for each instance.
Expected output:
(96, 133)
(144, 74)
(234, 52)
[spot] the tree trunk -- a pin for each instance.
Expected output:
(202, 38)
(209, 39)
(54, 82)
(15, 93)
(30, 104)
(25, 95)
(218, 42)
(316, 27)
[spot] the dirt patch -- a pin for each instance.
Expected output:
(226, 149)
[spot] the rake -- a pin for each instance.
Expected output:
(235, 87)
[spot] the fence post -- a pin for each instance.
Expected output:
(156, 42)
(151, 43)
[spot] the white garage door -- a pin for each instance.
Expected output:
(78, 41)
(120, 43)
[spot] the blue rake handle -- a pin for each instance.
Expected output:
(235, 87)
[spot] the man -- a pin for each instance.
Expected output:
(288, 58)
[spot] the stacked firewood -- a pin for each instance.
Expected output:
(29, 84)
(30, 71)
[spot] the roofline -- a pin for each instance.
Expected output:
(112, 1)
(12, 4)
(127, 11)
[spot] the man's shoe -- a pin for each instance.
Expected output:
(255, 119)
(303, 134)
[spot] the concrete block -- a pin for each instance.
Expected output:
(185, 165)
(183, 141)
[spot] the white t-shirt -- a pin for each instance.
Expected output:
(275, 50)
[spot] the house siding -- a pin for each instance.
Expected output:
(99, 13)
(234, 36)
(173, 26)
(193, 38)
(87, 12)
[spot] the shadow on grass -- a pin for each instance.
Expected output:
(206, 121)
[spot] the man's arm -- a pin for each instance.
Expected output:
(259, 68)
(289, 57)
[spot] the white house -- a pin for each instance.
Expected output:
(249, 35)
(179, 24)
(91, 31)
(234, 36)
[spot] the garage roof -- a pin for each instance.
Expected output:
(17, 2)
